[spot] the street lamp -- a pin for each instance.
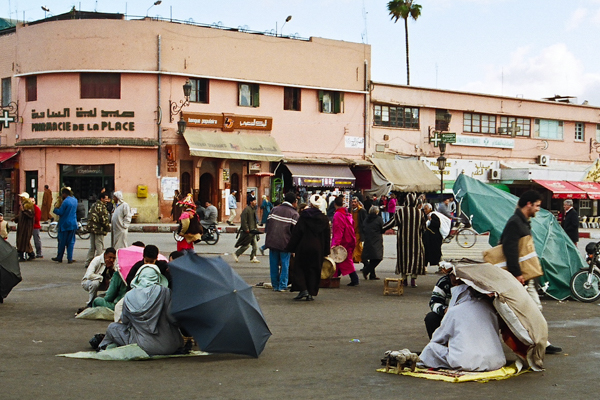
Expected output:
(174, 108)
(288, 19)
(441, 163)
(46, 10)
(156, 3)
(181, 125)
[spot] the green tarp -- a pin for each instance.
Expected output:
(491, 208)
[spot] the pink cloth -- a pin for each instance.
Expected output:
(391, 206)
(342, 228)
(128, 256)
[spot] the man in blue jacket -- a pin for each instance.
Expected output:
(67, 226)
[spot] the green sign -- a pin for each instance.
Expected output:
(449, 137)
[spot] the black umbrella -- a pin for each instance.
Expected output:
(216, 306)
(10, 273)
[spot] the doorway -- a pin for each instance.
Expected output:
(31, 183)
(206, 189)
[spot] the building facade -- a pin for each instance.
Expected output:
(514, 143)
(99, 100)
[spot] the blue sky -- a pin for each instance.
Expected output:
(533, 48)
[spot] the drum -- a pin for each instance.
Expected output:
(338, 254)
(328, 268)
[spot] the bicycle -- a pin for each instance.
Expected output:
(585, 284)
(210, 235)
(465, 236)
(81, 231)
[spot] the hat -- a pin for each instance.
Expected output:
(24, 195)
(188, 202)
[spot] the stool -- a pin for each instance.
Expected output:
(397, 289)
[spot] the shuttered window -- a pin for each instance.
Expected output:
(100, 85)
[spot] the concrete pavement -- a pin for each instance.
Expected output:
(309, 356)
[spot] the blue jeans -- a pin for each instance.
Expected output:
(65, 239)
(385, 216)
(279, 278)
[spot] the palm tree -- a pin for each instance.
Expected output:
(404, 9)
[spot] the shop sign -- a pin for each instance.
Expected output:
(593, 174)
(68, 126)
(477, 169)
(484, 141)
(354, 142)
(225, 174)
(323, 182)
(228, 122)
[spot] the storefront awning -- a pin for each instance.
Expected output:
(7, 155)
(334, 176)
(258, 147)
(562, 189)
(591, 188)
(407, 175)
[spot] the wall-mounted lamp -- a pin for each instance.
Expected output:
(174, 108)
(181, 124)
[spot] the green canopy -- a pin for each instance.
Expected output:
(492, 207)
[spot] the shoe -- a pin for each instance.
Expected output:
(235, 257)
(56, 259)
(405, 283)
(39, 256)
(353, 284)
(255, 260)
(262, 251)
(553, 349)
(30, 256)
(365, 273)
(302, 295)
(309, 298)
(71, 261)
(413, 282)
(374, 278)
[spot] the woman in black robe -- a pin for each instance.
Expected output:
(373, 247)
(432, 238)
(310, 241)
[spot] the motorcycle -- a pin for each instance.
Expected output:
(82, 231)
(210, 235)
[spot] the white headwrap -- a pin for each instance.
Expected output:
(118, 195)
(318, 201)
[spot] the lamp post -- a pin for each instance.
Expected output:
(156, 3)
(441, 163)
(175, 109)
(46, 10)
(288, 19)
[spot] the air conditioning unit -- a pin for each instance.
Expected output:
(544, 160)
(495, 174)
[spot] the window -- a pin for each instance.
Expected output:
(199, 93)
(579, 131)
(479, 123)
(548, 129)
(398, 117)
(442, 120)
(523, 126)
(100, 85)
(31, 88)
(6, 98)
(331, 102)
(585, 204)
(291, 98)
(248, 95)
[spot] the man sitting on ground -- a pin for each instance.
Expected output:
(150, 257)
(99, 273)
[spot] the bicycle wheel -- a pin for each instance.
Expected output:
(584, 290)
(466, 238)
(53, 231)
(212, 236)
(83, 233)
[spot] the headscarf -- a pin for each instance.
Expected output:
(148, 275)
(118, 195)
(318, 201)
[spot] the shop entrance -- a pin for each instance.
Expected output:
(31, 183)
(206, 189)
(86, 181)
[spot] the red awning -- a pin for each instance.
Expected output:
(591, 188)
(6, 155)
(562, 189)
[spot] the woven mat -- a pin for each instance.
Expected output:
(454, 376)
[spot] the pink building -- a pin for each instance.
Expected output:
(99, 111)
(507, 141)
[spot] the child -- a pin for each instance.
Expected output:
(3, 227)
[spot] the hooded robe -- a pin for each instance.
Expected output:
(411, 223)
(342, 230)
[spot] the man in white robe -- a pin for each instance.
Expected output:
(468, 338)
(120, 221)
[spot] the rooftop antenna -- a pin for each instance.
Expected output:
(365, 34)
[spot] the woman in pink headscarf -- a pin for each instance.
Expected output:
(342, 229)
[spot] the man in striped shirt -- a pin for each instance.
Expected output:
(440, 297)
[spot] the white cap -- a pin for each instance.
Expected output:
(24, 195)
